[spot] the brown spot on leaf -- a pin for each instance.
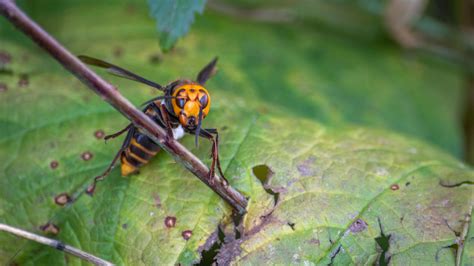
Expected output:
(314, 241)
(187, 234)
(86, 156)
(54, 164)
(358, 226)
(155, 58)
(118, 51)
(90, 189)
(130, 9)
(395, 187)
(157, 200)
(24, 80)
(50, 228)
(99, 134)
(170, 221)
(62, 199)
(5, 58)
(306, 168)
(3, 87)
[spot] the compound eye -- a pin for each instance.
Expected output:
(180, 102)
(203, 101)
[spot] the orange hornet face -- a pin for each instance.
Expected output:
(190, 98)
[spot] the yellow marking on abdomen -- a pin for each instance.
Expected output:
(126, 167)
(138, 145)
(136, 157)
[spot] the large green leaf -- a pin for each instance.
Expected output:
(314, 108)
(339, 190)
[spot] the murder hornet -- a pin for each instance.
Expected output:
(179, 110)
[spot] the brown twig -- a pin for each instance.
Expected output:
(110, 94)
(54, 244)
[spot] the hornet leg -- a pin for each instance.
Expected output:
(164, 118)
(116, 134)
(207, 133)
(90, 190)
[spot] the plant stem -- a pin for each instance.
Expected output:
(54, 244)
(110, 94)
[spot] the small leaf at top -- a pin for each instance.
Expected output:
(173, 18)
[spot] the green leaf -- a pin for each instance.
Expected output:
(338, 122)
(339, 190)
(173, 18)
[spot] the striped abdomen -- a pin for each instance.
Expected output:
(139, 152)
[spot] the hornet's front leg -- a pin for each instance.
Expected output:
(208, 134)
(164, 118)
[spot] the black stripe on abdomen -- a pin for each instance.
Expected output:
(132, 159)
(146, 142)
(140, 153)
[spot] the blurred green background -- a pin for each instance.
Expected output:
(338, 62)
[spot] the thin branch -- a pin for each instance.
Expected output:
(110, 94)
(54, 244)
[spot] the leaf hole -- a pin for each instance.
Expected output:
(453, 247)
(383, 242)
(264, 174)
(292, 225)
(209, 256)
(334, 254)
